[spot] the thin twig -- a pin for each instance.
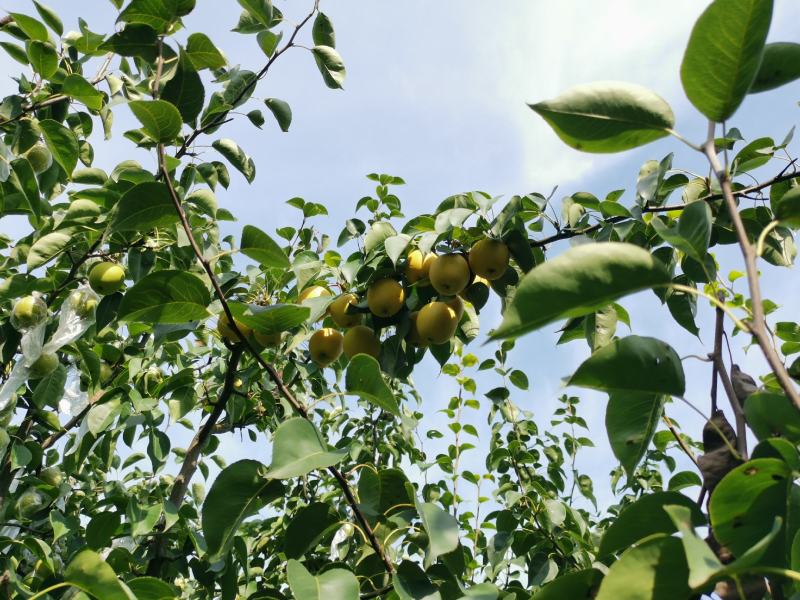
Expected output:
(219, 119)
(680, 440)
(758, 327)
(718, 331)
(565, 234)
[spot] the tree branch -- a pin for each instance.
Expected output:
(273, 374)
(219, 119)
(758, 326)
(192, 457)
(565, 234)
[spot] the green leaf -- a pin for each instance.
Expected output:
(607, 116)
(723, 55)
(160, 119)
(308, 527)
(298, 448)
(580, 281)
(91, 574)
(653, 570)
(780, 64)
(268, 41)
(62, 143)
(337, 583)
(185, 90)
(101, 529)
(24, 179)
(703, 563)
(50, 17)
(644, 518)
(411, 583)
(237, 157)
(580, 584)
(165, 297)
(203, 53)
(704, 566)
(260, 247)
(633, 364)
(31, 27)
(51, 388)
(745, 503)
(442, 529)
(238, 492)
(16, 52)
(693, 231)
(81, 90)
(281, 111)
(143, 207)
(43, 57)
(150, 588)
(135, 39)
(322, 31)
(275, 318)
(787, 207)
(47, 247)
(683, 305)
(330, 66)
(772, 415)
(260, 10)
(364, 378)
(158, 14)
(631, 421)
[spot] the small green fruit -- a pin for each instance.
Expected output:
(40, 158)
(106, 278)
(44, 365)
(151, 380)
(52, 476)
(30, 503)
(28, 312)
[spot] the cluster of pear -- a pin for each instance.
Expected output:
(30, 311)
(434, 323)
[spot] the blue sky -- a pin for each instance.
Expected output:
(436, 92)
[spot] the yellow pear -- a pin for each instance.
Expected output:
(414, 337)
(457, 305)
(361, 340)
(106, 278)
(436, 322)
(418, 267)
(325, 346)
(449, 274)
(339, 314)
(313, 291)
(227, 332)
(385, 297)
(489, 258)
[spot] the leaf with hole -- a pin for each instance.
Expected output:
(633, 364)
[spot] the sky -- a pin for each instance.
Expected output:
(437, 93)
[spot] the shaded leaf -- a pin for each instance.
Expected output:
(165, 297)
(580, 281)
